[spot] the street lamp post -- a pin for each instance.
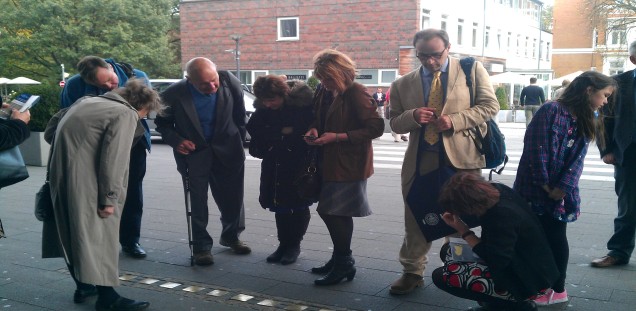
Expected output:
(237, 54)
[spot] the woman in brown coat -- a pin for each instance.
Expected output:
(346, 122)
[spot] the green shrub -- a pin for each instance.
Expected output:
(312, 82)
(502, 98)
(48, 106)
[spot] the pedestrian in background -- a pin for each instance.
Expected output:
(515, 259)
(618, 147)
(531, 98)
(345, 128)
(380, 99)
(555, 145)
(387, 115)
(283, 113)
(88, 174)
(558, 92)
(96, 77)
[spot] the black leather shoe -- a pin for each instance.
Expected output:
(123, 304)
(80, 295)
(134, 251)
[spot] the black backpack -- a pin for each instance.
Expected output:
(493, 145)
(128, 69)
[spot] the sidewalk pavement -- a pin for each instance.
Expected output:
(166, 279)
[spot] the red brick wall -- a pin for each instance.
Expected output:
(573, 30)
(371, 32)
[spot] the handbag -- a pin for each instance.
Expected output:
(44, 202)
(308, 182)
(12, 167)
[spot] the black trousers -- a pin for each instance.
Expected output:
(130, 223)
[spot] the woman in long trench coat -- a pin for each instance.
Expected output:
(88, 177)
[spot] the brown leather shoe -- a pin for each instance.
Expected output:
(607, 261)
(406, 284)
(203, 258)
(238, 246)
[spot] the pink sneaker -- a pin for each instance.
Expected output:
(551, 297)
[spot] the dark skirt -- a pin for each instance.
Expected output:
(344, 199)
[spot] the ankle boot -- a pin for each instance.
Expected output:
(277, 255)
(299, 221)
(290, 255)
(343, 267)
(324, 269)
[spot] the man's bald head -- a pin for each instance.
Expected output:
(201, 73)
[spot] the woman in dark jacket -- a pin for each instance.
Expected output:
(346, 122)
(517, 260)
(283, 114)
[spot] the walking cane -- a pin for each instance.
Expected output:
(186, 188)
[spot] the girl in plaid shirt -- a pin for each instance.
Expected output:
(555, 146)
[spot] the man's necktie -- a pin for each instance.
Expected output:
(434, 101)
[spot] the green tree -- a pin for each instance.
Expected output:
(547, 18)
(37, 36)
(502, 98)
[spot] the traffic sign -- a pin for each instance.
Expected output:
(62, 83)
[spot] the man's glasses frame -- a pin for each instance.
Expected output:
(437, 56)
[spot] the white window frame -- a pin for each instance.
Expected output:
(381, 74)
(425, 19)
(258, 73)
(279, 29)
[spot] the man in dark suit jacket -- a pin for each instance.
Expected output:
(204, 122)
(618, 147)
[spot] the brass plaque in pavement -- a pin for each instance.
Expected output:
(217, 293)
(170, 285)
(267, 303)
(193, 289)
(242, 297)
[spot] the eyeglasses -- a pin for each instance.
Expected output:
(424, 57)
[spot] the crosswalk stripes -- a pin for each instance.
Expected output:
(386, 156)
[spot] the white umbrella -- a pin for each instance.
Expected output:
(510, 77)
(22, 80)
(559, 80)
(4, 81)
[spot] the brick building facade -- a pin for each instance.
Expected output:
(206, 27)
(282, 36)
(583, 42)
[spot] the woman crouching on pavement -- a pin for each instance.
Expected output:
(517, 263)
(283, 114)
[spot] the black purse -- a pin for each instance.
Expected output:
(308, 182)
(43, 200)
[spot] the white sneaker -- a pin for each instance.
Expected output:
(551, 297)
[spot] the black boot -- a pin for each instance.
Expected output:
(277, 254)
(281, 230)
(343, 267)
(324, 269)
(298, 227)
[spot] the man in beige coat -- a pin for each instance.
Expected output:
(453, 150)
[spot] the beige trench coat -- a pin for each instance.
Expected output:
(89, 168)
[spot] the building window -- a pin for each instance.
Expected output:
(518, 44)
(474, 43)
(487, 37)
(616, 66)
(617, 37)
(426, 19)
(387, 76)
(288, 28)
(258, 73)
(499, 40)
(509, 41)
(527, 46)
(444, 22)
(547, 51)
(460, 31)
(534, 48)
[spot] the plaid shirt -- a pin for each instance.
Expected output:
(553, 155)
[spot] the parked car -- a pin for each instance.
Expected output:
(161, 84)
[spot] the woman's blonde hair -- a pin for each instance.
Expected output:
(335, 65)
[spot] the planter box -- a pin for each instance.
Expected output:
(35, 150)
